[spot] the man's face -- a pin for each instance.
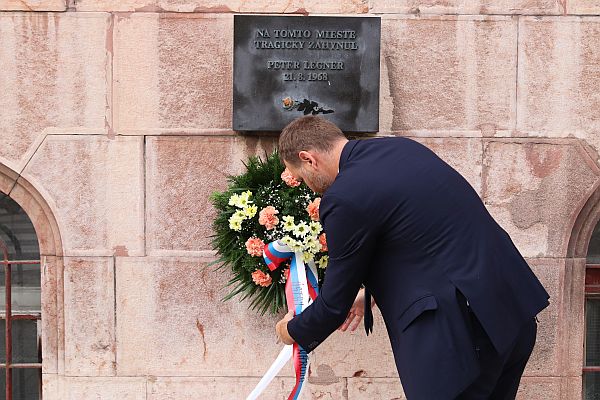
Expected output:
(309, 172)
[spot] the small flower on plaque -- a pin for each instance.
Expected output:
(306, 106)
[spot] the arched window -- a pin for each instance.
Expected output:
(591, 368)
(20, 305)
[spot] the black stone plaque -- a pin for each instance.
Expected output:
(286, 67)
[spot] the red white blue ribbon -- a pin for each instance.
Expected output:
(301, 289)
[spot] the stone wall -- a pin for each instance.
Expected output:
(115, 126)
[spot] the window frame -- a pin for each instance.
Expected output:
(8, 316)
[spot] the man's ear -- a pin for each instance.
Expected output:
(307, 157)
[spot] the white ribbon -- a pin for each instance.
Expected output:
(299, 283)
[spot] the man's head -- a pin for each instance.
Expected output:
(310, 147)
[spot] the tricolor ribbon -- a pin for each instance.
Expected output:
(301, 289)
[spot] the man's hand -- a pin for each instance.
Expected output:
(281, 329)
(356, 313)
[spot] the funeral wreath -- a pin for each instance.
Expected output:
(260, 206)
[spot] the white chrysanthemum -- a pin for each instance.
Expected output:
(316, 248)
(234, 200)
(250, 211)
(288, 223)
(235, 224)
(322, 262)
(239, 214)
(311, 244)
(301, 229)
(315, 228)
(244, 200)
(307, 256)
(293, 244)
(297, 247)
(246, 195)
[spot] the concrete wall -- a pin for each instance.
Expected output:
(115, 126)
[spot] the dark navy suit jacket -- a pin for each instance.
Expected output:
(410, 228)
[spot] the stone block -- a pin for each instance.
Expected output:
(94, 185)
(539, 389)
(573, 315)
(50, 387)
(583, 7)
(182, 172)
(519, 7)
(558, 96)
(547, 354)
(235, 388)
(37, 209)
(60, 315)
(350, 354)
(227, 6)
(173, 72)
(452, 73)
(55, 78)
(50, 269)
(375, 388)
(100, 388)
(89, 313)
(33, 5)
(572, 388)
(8, 177)
(535, 191)
(463, 154)
(206, 337)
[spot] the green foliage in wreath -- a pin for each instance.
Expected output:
(260, 206)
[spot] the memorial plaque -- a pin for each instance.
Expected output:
(286, 67)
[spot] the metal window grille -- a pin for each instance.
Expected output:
(591, 367)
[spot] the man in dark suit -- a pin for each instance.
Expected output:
(458, 300)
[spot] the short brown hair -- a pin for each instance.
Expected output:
(307, 133)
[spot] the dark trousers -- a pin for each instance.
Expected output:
(500, 373)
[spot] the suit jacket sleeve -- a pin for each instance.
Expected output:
(350, 242)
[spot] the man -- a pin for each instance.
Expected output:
(458, 300)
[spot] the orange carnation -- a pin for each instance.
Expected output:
(255, 246)
(313, 209)
(289, 179)
(323, 241)
(268, 218)
(261, 278)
